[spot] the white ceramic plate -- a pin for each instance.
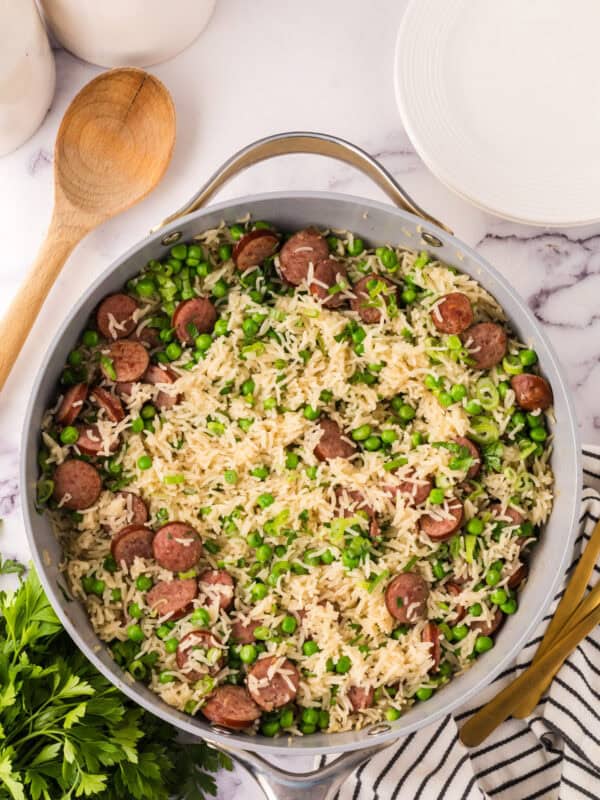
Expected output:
(501, 99)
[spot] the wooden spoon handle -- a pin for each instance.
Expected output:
(18, 320)
(487, 719)
(563, 615)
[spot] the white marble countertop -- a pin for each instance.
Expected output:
(285, 66)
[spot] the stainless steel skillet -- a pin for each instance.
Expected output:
(375, 222)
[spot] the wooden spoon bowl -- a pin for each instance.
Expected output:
(112, 148)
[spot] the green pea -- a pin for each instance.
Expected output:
(406, 412)
(203, 342)
(220, 328)
(509, 607)
(388, 257)
(356, 248)
(134, 610)
(409, 295)
(236, 231)
(248, 387)
(361, 433)
(286, 718)
(230, 476)
(399, 632)
(265, 500)
(309, 648)
(310, 413)
(445, 669)
(148, 411)
(473, 408)
(143, 583)
(310, 716)
(264, 553)
(372, 443)
(220, 289)
(137, 425)
(69, 435)
(424, 693)
(262, 632)
(503, 388)
(323, 722)
(307, 729)
(173, 351)
(250, 328)
(248, 654)
(438, 570)
(225, 252)
(179, 252)
(270, 403)
(493, 577)
(459, 632)
(98, 587)
(416, 439)
(269, 728)
(75, 358)
(458, 392)
(327, 557)
(292, 460)
(254, 539)
(109, 564)
(171, 645)
(538, 434)
(135, 633)
(194, 251)
(261, 225)
(388, 436)
(436, 496)
(201, 615)
(475, 526)
(528, 357)
(115, 595)
(432, 383)
(280, 550)
(289, 624)
(259, 592)
(166, 677)
(445, 399)
(144, 462)
(483, 644)
(90, 338)
(343, 665)
(476, 610)
(262, 473)
(498, 597)
(145, 287)
(392, 714)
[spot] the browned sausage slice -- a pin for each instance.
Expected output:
(332, 443)
(453, 314)
(475, 454)
(431, 634)
(90, 441)
(137, 510)
(531, 391)
(217, 583)
(303, 248)
(71, 404)
(172, 598)
(130, 542)
(416, 491)
(486, 343)
(150, 337)
(518, 576)
(361, 698)
(371, 293)
(127, 361)
(177, 546)
(77, 484)
(107, 401)
(115, 316)
(192, 653)
(439, 527)
(192, 317)
(455, 589)
(156, 375)
(244, 632)
(254, 247)
(273, 682)
(406, 597)
(488, 628)
(329, 280)
(509, 515)
(232, 707)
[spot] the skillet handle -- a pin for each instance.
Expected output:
(319, 784)
(303, 142)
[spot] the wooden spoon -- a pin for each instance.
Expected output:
(112, 148)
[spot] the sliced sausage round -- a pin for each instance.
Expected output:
(453, 314)
(329, 275)
(71, 404)
(135, 506)
(486, 343)
(455, 589)
(193, 648)
(114, 316)
(77, 484)
(475, 454)
(244, 632)
(361, 698)
(333, 443)
(150, 337)
(130, 542)
(192, 317)
(90, 441)
(406, 597)
(416, 491)
(177, 546)
(218, 583)
(254, 247)
(518, 576)
(439, 528)
(509, 514)
(303, 248)
(488, 628)
(431, 634)
(156, 375)
(107, 401)
(172, 598)
(531, 391)
(272, 685)
(371, 293)
(129, 361)
(231, 707)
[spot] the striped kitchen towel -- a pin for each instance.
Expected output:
(554, 753)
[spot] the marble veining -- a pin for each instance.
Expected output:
(243, 79)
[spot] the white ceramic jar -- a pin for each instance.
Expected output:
(27, 73)
(117, 33)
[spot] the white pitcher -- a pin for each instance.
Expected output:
(27, 73)
(117, 33)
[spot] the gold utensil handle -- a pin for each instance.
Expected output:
(303, 142)
(565, 610)
(487, 719)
